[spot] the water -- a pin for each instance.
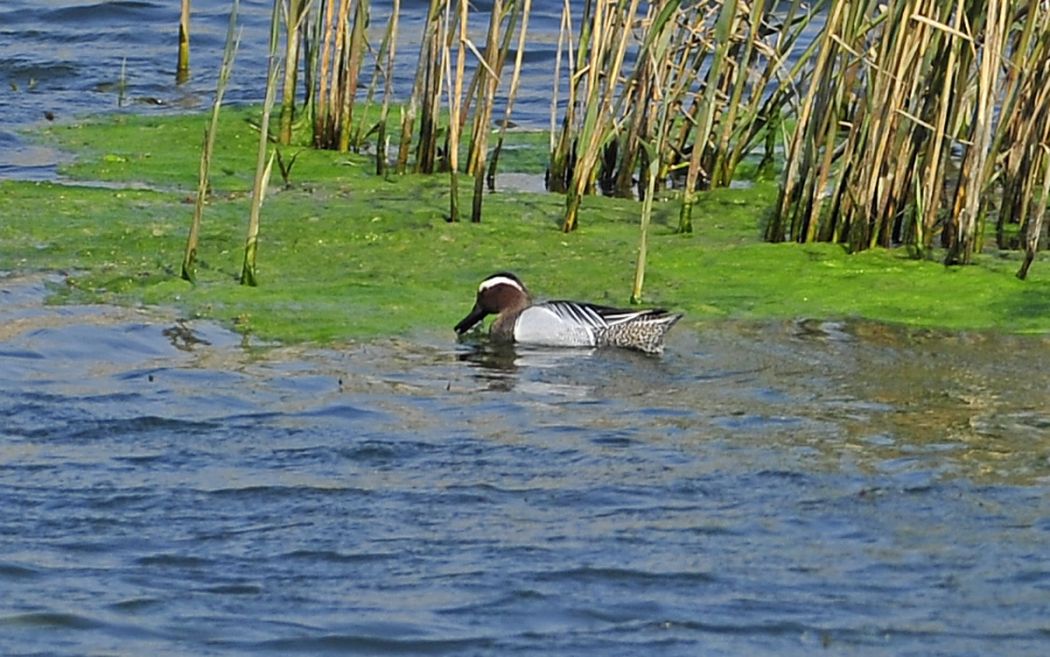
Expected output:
(778, 489)
(762, 489)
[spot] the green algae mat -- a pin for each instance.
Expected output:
(345, 254)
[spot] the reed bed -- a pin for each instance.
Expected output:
(920, 122)
(725, 82)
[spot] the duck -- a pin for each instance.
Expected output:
(563, 323)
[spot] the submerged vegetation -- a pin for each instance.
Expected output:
(913, 125)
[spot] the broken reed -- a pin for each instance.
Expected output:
(919, 121)
(724, 80)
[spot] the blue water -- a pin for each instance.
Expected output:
(784, 489)
(796, 488)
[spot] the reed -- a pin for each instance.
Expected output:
(488, 80)
(351, 72)
(921, 119)
(295, 14)
(425, 101)
(663, 78)
(611, 30)
(341, 30)
(263, 164)
(731, 82)
(390, 40)
(455, 96)
(182, 67)
(189, 258)
(522, 9)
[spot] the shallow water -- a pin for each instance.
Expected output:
(170, 490)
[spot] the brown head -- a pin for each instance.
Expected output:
(499, 293)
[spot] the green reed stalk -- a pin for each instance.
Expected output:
(182, 68)
(189, 258)
(658, 41)
(263, 165)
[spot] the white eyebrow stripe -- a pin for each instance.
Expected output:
(499, 280)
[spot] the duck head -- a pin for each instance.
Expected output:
(498, 293)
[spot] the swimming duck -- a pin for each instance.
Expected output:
(563, 323)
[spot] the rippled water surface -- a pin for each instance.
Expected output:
(785, 489)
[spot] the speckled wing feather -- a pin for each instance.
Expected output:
(617, 327)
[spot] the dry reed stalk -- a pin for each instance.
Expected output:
(1024, 103)
(611, 33)
(515, 78)
(486, 81)
(364, 126)
(321, 106)
(388, 87)
(564, 32)
(295, 14)
(482, 72)
(182, 68)
(334, 103)
(1034, 228)
(455, 101)
(424, 67)
(263, 165)
(488, 70)
(724, 28)
(433, 67)
(351, 72)
(972, 176)
(189, 258)
(563, 155)
(931, 186)
(940, 113)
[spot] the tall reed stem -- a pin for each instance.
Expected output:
(182, 68)
(263, 165)
(189, 258)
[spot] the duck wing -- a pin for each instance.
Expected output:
(603, 317)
